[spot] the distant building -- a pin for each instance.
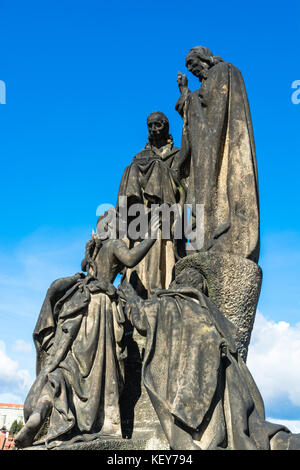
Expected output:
(9, 413)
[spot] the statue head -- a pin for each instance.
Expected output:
(108, 224)
(107, 229)
(158, 129)
(199, 60)
(92, 248)
(191, 277)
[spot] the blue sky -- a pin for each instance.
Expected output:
(81, 78)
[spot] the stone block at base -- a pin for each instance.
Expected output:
(112, 444)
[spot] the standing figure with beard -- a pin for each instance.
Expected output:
(154, 177)
(222, 160)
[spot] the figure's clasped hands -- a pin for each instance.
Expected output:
(125, 291)
(107, 287)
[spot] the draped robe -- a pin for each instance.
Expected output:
(223, 171)
(80, 360)
(148, 180)
(195, 377)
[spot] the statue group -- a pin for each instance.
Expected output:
(164, 354)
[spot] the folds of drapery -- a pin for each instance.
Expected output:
(83, 371)
(193, 374)
(148, 180)
(223, 170)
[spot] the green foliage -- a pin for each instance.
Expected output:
(15, 427)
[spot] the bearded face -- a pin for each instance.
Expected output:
(158, 127)
(195, 65)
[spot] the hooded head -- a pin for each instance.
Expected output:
(191, 277)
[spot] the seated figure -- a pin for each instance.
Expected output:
(201, 389)
(80, 349)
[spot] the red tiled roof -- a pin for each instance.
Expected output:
(7, 444)
(10, 405)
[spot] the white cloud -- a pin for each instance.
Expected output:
(11, 398)
(292, 425)
(13, 379)
(274, 358)
(22, 346)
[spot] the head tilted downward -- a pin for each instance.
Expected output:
(191, 277)
(199, 60)
(92, 248)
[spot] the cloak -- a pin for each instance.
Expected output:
(149, 180)
(194, 375)
(80, 355)
(223, 170)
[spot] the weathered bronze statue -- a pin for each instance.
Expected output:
(222, 172)
(187, 328)
(200, 387)
(153, 178)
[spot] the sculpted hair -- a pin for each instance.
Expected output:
(205, 55)
(92, 249)
(161, 117)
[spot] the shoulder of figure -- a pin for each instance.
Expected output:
(146, 152)
(220, 68)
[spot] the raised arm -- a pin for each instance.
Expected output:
(131, 257)
(184, 92)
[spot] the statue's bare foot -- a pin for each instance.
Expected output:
(25, 436)
(111, 430)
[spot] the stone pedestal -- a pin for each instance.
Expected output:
(138, 418)
(107, 443)
(234, 285)
(141, 429)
